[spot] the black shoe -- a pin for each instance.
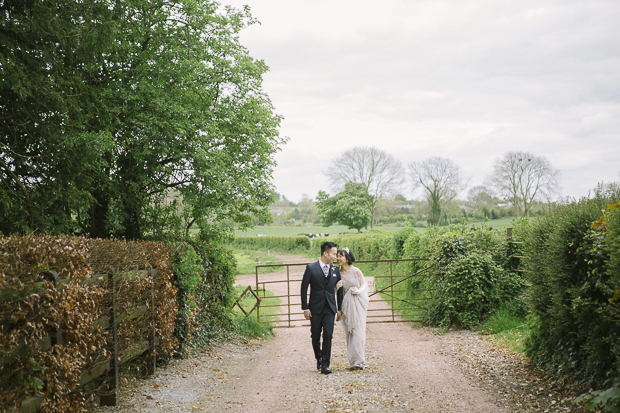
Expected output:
(318, 364)
(325, 370)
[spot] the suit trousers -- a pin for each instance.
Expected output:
(322, 322)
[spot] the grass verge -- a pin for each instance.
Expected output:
(248, 326)
(506, 329)
(246, 262)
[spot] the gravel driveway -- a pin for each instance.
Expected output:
(411, 369)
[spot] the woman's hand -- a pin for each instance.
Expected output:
(339, 284)
(354, 290)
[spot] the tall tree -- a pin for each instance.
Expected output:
(441, 179)
(48, 89)
(351, 207)
(479, 195)
(381, 173)
(307, 209)
(177, 106)
(524, 178)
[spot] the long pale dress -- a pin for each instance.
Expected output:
(354, 309)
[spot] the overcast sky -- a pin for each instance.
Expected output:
(465, 80)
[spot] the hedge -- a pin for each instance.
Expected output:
(60, 283)
(475, 273)
(574, 275)
(49, 283)
(371, 245)
(282, 243)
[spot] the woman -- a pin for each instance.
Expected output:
(354, 307)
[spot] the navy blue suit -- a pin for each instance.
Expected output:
(323, 306)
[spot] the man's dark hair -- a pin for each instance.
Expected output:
(327, 245)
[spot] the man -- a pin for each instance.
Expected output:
(323, 307)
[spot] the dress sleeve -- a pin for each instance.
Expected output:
(363, 286)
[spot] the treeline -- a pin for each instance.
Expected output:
(365, 180)
(478, 206)
(568, 284)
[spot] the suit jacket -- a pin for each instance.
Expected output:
(321, 290)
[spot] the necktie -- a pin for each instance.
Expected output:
(325, 270)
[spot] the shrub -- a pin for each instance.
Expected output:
(468, 291)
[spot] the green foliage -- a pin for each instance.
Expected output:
(282, 243)
(48, 89)
(605, 400)
(109, 108)
(475, 281)
(468, 291)
(187, 271)
(187, 268)
(372, 245)
(446, 243)
(300, 229)
(399, 239)
(215, 294)
(574, 327)
(352, 207)
(204, 272)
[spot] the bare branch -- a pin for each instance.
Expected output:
(524, 178)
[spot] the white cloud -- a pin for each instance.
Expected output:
(468, 80)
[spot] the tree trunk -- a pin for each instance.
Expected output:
(98, 227)
(516, 203)
(435, 210)
(132, 223)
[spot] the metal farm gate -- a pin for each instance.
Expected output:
(278, 298)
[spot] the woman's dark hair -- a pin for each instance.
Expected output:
(348, 255)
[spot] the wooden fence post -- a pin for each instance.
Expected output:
(109, 398)
(152, 366)
(510, 250)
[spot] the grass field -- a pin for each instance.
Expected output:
(337, 229)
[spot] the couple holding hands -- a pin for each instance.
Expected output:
(335, 293)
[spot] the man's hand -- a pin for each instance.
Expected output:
(307, 314)
(339, 316)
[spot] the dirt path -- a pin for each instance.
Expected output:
(408, 372)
